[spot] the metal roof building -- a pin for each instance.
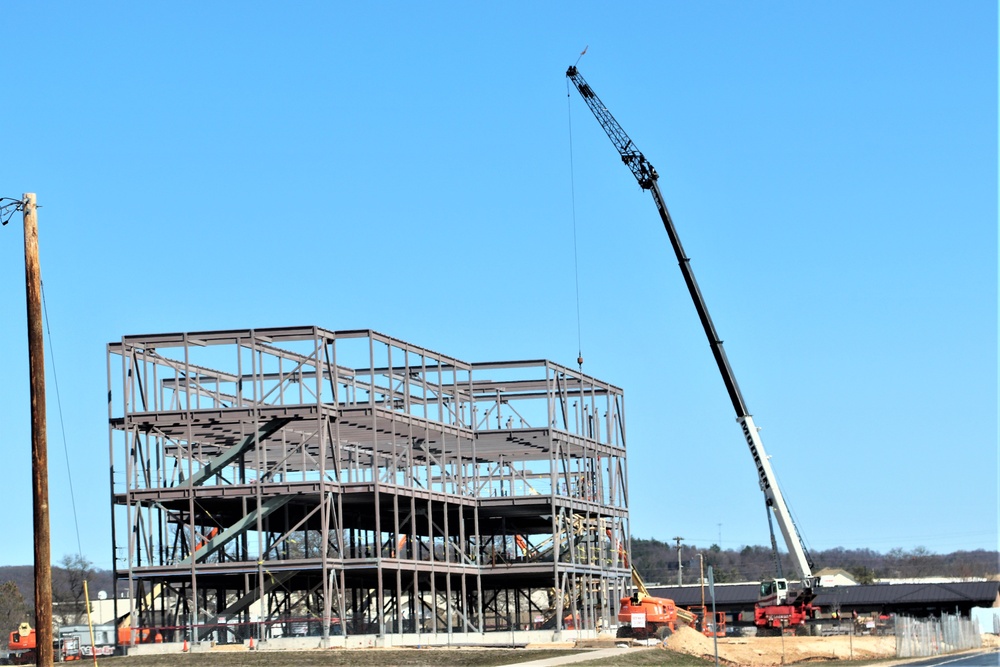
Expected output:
(910, 599)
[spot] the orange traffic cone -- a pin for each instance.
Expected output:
(251, 643)
(185, 648)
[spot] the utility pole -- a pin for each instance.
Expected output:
(680, 576)
(39, 448)
(701, 570)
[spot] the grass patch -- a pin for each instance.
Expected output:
(650, 657)
(343, 658)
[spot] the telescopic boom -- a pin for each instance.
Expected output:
(647, 177)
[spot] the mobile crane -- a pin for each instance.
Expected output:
(778, 604)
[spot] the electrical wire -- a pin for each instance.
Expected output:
(8, 207)
(62, 425)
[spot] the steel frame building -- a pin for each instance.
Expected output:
(299, 480)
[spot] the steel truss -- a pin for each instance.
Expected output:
(276, 481)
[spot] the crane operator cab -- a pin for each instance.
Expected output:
(773, 592)
(779, 592)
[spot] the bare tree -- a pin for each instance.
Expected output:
(13, 610)
(67, 594)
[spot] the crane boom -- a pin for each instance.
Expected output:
(647, 177)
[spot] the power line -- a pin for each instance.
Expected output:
(8, 207)
(62, 425)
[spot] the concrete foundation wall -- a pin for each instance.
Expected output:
(406, 640)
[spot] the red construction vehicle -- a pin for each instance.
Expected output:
(706, 624)
(780, 606)
(772, 611)
(642, 616)
(23, 651)
(128, 635)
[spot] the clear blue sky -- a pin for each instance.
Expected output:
(831, 168)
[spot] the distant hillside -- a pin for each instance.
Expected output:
(657, 562)
(24, 577)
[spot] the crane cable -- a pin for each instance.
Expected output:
(576, 261)
(62, 425)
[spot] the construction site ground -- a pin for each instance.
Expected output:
(685, 648)
(761, 651)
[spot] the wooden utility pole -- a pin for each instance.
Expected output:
(680, 568)
(39, 448)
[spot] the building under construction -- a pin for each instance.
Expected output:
(303, 482)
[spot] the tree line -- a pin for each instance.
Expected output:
(657, 562)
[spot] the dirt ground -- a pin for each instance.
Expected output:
(686, 647)
(762, 651)
(767, 651)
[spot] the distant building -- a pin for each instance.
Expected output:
(911, 599)
(830, 576)
(931, 580)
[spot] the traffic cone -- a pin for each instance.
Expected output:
(185, 647)
(251, 643)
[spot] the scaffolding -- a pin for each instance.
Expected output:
(301, 481)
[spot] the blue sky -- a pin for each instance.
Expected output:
(831, 169)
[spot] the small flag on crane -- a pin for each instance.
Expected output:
(585, 50)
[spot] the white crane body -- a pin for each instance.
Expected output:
(647, 177)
